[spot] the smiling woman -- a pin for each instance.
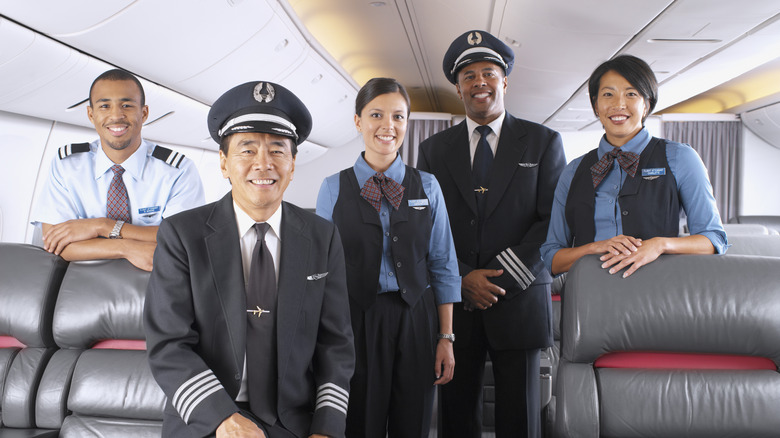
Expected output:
(623, 200)
(396, 236)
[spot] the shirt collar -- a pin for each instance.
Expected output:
(245, 223)
(363, 171)
(133, 165)
(495, 125)
(635, 145)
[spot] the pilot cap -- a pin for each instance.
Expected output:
(474, 46)
(259, 107)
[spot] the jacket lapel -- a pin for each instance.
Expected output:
(293, 269)
(509, 152)
(459, 163)
(224, 254)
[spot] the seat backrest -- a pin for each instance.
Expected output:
(738, 229)
(747, 244)
(771, 222)
(100, 382)
(30, 279)
(686, 346)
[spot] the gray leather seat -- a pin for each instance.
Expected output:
(99, 383)
(661, 328)
(30, 281)
(748, 244)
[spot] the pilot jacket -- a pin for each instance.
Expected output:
(529, 158)
(195, 321)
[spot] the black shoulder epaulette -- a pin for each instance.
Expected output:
(73, 148)
(171, 157)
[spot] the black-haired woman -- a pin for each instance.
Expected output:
(623, 199)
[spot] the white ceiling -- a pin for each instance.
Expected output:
(189, 53)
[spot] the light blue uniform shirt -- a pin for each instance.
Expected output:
(77, 187)
(693, 186)
(442, 262)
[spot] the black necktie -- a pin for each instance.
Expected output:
(261, 330)
(483, 160)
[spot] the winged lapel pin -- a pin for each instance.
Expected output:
(317, 276)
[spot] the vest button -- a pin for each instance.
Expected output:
(238, 376)
(395, 238)
(625, 213)
(398, 265)
(473, 222)
(403, 291)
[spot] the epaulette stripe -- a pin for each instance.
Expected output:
(71, 149)
(169, 156)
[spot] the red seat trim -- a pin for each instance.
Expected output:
(556, 297)
(120, 344)
(10, 342)
(687, 361)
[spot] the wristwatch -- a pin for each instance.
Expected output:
(448, 336)
(114, 234)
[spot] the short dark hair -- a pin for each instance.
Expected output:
(636, 71)
(377, 87)
(118, 75)
(224, 144)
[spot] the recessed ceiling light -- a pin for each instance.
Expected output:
(377, 4)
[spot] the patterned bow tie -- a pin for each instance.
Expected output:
(379, 185)
(629, 161)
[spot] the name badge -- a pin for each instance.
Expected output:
(418, 202)
(148, 211)
(657, 171)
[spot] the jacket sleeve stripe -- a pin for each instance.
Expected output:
(214, 389)
(193, 391)
(327, 404)
(509, 264)
(508, 268)
(333, 396)
(531, 277)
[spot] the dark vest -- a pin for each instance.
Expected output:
(649, 203)
(361, 235)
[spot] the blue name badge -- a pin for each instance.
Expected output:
(418, 202)
(658, 171)
(147, 211)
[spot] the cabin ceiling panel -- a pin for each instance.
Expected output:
(269, 55)
(146, 38)
(329, 98)
(90, 13)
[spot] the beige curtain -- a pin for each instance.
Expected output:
(720, 146)
(416, 132)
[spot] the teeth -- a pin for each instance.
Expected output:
(262, 181)
(385, 137)
(481, 95)
(618, 118)
(116, 129)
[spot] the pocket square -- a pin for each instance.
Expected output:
(527, 164)
(317, 276)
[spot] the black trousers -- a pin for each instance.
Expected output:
(275, 431)
(391, 392)
(516, 376)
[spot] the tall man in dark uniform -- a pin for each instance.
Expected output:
(235, 354)
(498, 176)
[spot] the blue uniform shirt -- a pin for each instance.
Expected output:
(78, 187)
(442, 262)
(693, 185)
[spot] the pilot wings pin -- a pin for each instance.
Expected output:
(313, 277)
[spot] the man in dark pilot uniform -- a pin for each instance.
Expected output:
(247, 313)
(498, 176)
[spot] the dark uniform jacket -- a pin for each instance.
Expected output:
(529, 158)
(195, 320)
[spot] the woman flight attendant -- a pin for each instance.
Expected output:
(623, 199)
(402, 272)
